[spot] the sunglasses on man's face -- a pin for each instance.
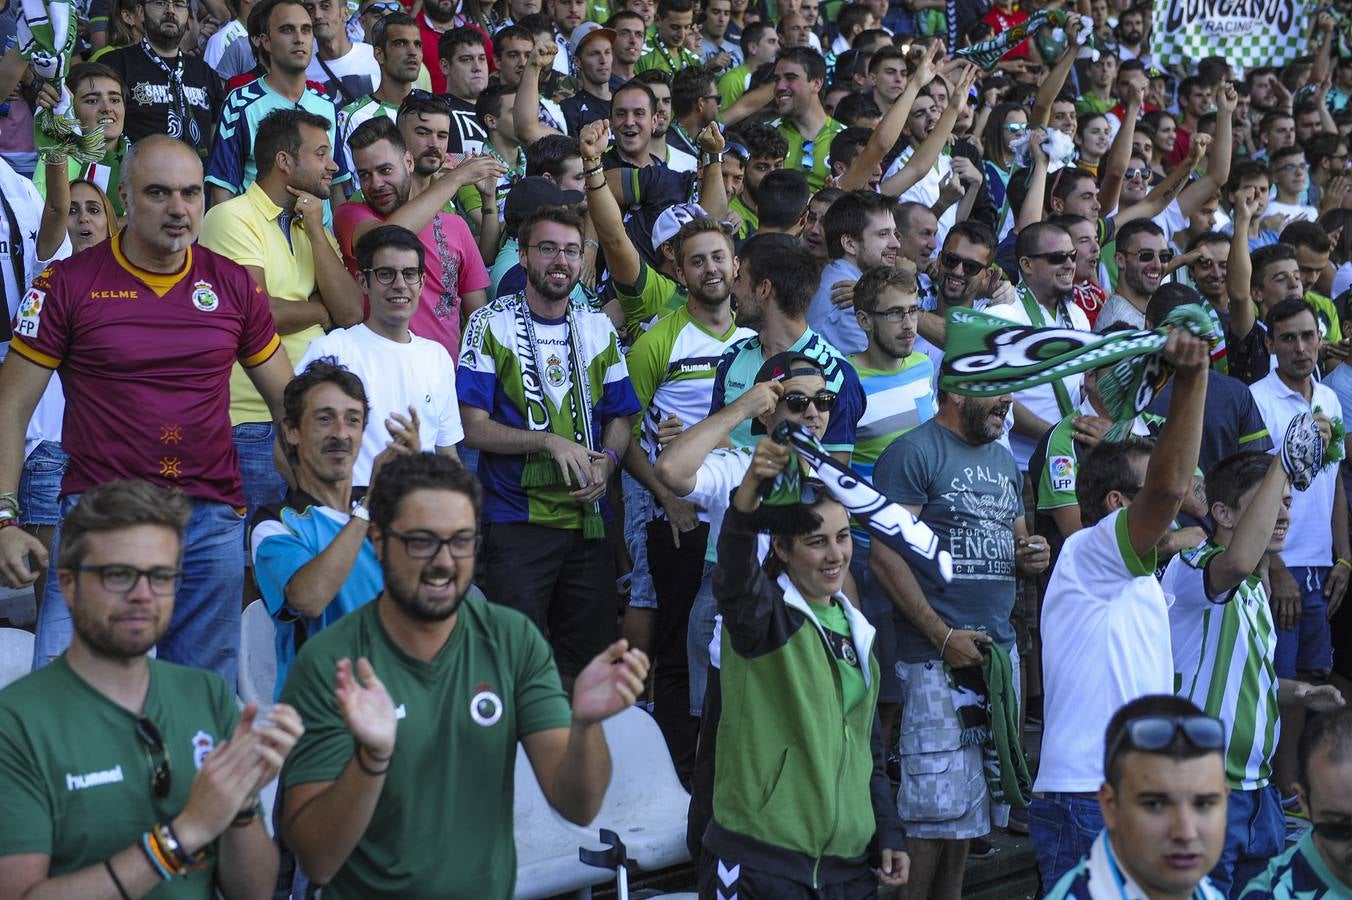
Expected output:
(1055, 257)
(797, 402)
(1144, 174)
(1146, 256)
(951, 261)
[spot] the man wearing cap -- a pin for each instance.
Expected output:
(774, 287)
(545, 397)
(532, 192)
(593, 56)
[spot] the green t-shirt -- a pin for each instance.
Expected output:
(76, 779)
(653, 295)
(750, 220)
(733, 84)
(832, 619)
(443, 824)
(659, 57)
(812, 155)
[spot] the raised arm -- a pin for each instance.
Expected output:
(56, 209)
(1239, 271)
(417, 213)
(1056, 78)
(621, 256)
(1115, 166)
(1169, 472)
(888, 132)
(1251, 533)
(750, 103)
(679, 463)
(1035, 199)
(1160, 196)
(1219, 157)
(713, 194)
(526, 113)
(924, 157)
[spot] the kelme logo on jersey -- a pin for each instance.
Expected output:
(485, 708)
(204, 298)
(202, 744)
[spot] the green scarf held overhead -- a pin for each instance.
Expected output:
(46, 36)
(987, 356)
(988, 714)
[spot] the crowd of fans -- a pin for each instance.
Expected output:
(528, 361)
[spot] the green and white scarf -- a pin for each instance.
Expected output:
(46, 37)
(988, 714)
(541, 470)
(988, 356)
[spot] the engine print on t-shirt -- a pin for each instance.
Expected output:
(990, 501)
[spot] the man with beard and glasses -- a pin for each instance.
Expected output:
(861, 235)
(766, 149)
(275, 230)
(455, 275)
(1319, 865)
(953, 474)
(143, 412)
(397, 46)
(440, 17)
(1084, 237)
(168, 91)
(288, 41)
(1105, 619)
(155, 760)
(430, 668)
(1141, 258)
(672, 367)
(545, 397)
(311, 555)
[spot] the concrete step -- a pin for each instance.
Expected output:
(18, 607)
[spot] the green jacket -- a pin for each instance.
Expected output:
(799, 784)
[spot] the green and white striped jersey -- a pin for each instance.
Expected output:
(1224, 649)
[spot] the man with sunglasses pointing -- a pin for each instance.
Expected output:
(122, 773)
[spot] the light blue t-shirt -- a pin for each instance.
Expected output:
(838, 326)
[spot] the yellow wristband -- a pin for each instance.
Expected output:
(1345, 564)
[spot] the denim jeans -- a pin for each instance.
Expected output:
(1255, 831)
(638, 512)
(40, 484)
(1062, 828)
(263, 484)
(702, 614)
(204, 630)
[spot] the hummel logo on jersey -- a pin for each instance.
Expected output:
(93, 779)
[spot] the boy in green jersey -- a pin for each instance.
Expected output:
(116, 771)
(403, 786)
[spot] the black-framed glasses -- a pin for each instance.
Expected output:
(385, 275)
(1056, 257)
(718, 98)
(175, 5)
(1294, 167)
(896, 314)
(797, 402)
(950, 260)
(549, 250)
(161, 773)
(1337, 832)
(122, 579)
(1146, 256)
(424, 545)
(1153, 734)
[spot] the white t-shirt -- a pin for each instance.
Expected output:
(1294, 212)
(1105, 642)
(1309, 540)
(418, 374)
(1041, 400)
(717, 478)
(926, 190)
(357, 71)
(226, 35)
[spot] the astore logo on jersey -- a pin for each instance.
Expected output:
(204, 298)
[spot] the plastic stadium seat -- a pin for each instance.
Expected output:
(16, 654)
(257, 655)
(645, 805)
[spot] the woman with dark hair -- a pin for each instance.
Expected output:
(1006, 123)
(1093, 136)
(1163, 130)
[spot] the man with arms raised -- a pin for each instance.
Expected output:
(81, 736)
(429, 668)
(179, 317)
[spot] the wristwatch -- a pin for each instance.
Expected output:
(359, 511)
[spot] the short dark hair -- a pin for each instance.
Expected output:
(851, 15)
(1271, 118)
(854, 107)
(1150, 705)
(260, 17)
(1108, 468)
(1310, 235)
(323, 370)
(380, 31)
(634, 84)
(1322, 146)
(848, 144)
(1282, 153)
(115, 505)
(1190, 84)
(548, 154)
(788, 265)
(537, 23)
(614, 20)
(1168, 297)
(884, 54)
(691, 84)
(510, 33)
(374, 130)
(411, 472)
(464, 36)
(383, 236)
(666, 7)
(869, 288)
(1208, 237)
(653, 76)
(763, 141)
(489, 102)
(696, 226)
(849, 216)
(973, 231)
(782, 198)
(560, 215)
(1330, 732)
(810, 60)
(754, 33)
(1063, 182)
(1128, 233)
(1245, 169)
(1285, 310)
(279, 132)
(1229, 479)
(86, 70)
(1266, 256)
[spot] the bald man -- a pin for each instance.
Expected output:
(144, 330)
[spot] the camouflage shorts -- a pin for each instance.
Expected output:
(943, 793)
